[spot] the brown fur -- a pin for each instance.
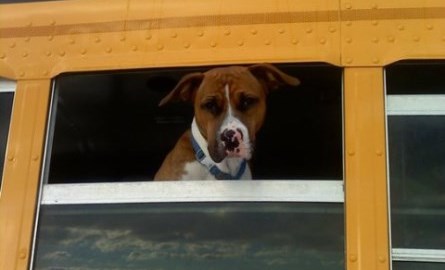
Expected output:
(255, 81)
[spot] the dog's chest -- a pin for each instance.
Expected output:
(196, 171)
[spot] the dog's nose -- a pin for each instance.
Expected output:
(231, 139)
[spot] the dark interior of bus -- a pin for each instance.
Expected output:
(108, 127)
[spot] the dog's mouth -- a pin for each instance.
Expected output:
(231, 144)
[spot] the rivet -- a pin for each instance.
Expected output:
(382, 259)
(267, 42)
(35, 158)
(45, 72)
(429, 27)
(348, 23)
(309, 30)
(391, 39)
(348, 40)
(186, 45)
(174, 35)
(72, 41)
(29, 24)
(295, 41)
(11, 158)
(25, 54)
(281, 31)
(353, 258)
(350, 152)
(349, 61)
(348, 5)
(240, 43)
(53, 22)
(253, 31)
(401, 27)
(416, 38)
(62, 53)
(200, 33)
(160, 47)
(122, 38)
(22, 254)
(227, 32)
(374, 6)
(148, 36)
(322, 41)
(375, 60)
(50, 38)
(83, 51)
(332, 29)
(213, 44)
(134, 48)
(2, 56)
(48, 53)
(443, 38)
(375, 40)
(375, 23)
(27, 39)
(97, 39)
(109, 50)
(12, 45)
(22, 74)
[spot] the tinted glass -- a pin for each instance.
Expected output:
(191, 236)
(417, 170)
(417, 266)
(6, 100)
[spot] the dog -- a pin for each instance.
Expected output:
(230, 106)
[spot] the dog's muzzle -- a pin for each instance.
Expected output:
(235, 141)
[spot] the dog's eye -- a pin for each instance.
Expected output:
(247, 102)
(211, 106)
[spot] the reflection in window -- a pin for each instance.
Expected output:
(417, 266)
(108, 126)
(417, 171)
(192, 236)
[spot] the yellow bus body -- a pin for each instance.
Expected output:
(39, 41)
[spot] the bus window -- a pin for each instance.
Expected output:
(107, 137)
(7, 89)
(107, 127)
(416, 145)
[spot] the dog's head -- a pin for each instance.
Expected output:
(230, 105)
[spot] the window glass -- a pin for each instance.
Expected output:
(108, 126)
(192, 236)
(417, 266)
(417, 171)
(6, 98)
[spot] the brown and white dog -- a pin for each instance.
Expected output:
(229, 105)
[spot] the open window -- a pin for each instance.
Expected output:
(7, 89)
(106, 139)
(416, 145)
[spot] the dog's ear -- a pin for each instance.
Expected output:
(185, 89)
(271, 76)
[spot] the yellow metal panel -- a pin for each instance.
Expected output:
(45, 39)
(379, 32)
(21, 172)
(365, 178)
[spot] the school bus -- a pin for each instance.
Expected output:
(349, 171)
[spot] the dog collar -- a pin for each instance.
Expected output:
(211, 166)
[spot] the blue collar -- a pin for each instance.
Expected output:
(213, 169)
